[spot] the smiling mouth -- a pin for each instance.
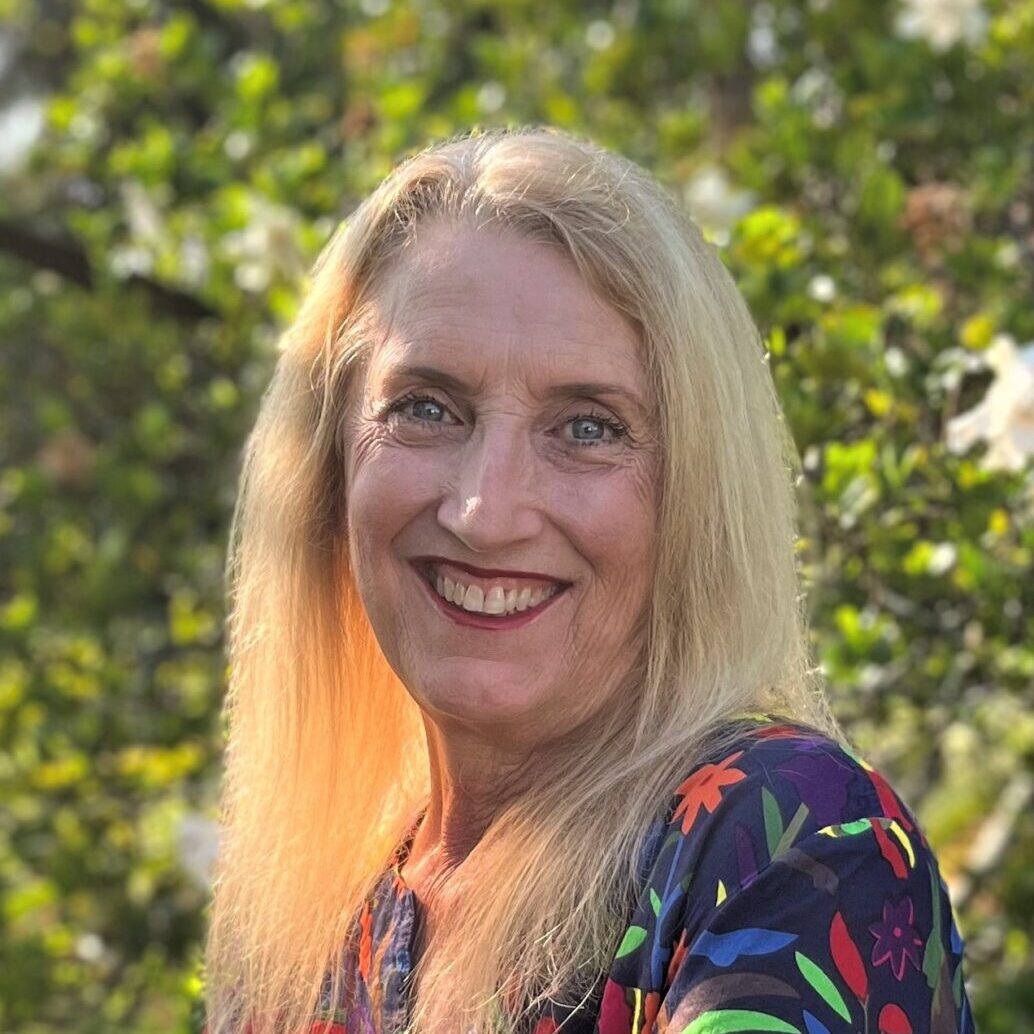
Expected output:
(505, 600)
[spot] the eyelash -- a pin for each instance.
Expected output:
(619, 429)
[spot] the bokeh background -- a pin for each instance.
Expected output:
(168, 172)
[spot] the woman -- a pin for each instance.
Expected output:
(523, 729)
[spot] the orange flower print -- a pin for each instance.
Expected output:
(365, 942)
(778, 732)
(678, 952)
(704, 789)
(651, 1005)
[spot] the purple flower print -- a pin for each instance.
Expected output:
(821, 782)
(896, 937)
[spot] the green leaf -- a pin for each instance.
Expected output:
(655, 902)
(721, 1021)
(258, 76)
(402, 100)
(823, 985)
(634, 936)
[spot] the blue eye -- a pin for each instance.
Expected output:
(426, 402)
(420, 400)
(433, 412)
(583, 420)
(617, 430)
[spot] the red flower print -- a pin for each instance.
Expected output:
(888, 799)
(615, 1015)
(896, 938)
(546, 1025)
(847, 958)
(890, 851)
(704, 789)
(893, 1020)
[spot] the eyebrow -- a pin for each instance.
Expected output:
(580, 388)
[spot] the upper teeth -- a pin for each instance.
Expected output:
(496, 601)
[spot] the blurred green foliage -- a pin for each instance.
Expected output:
(867, 170)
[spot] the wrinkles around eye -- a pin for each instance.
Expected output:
(617, 430)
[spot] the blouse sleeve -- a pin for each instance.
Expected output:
(850, 929)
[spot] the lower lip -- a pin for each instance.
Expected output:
(490, 621)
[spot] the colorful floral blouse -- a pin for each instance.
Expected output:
(788, 889)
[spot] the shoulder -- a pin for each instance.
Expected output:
(774, 792)
(774, 767)
(786, 865)
(771, 784)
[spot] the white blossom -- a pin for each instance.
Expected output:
(194, 260)
(89, 947)
(145, 219)
(714, 204)
(1005, 417)
(21, 123)
(895, 361)
(822, 288)
(198, 847)
(600, 34)
(130, 260)
(763, 46)
(266, 247)
(816, 90)
(942, 23)
(491, 97)
(238, 144)
(941, 558)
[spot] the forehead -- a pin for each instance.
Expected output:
(492, 304)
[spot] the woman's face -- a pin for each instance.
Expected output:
(499, 443)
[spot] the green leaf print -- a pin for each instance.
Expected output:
(722, 1021)
(655, 902)
(773, 820)
(934, 950)
(790, 834)
(847, 829)
(823, 985)
(634, 936)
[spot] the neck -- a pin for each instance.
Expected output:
(471, 783)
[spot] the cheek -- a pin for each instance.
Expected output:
(612, 522)
(384, 478)
(387, 487)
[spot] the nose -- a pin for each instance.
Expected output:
(493, 501)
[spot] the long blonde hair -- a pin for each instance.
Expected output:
(326, 763)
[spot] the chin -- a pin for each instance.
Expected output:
(482, 700)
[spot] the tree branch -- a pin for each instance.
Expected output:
(68, 259)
